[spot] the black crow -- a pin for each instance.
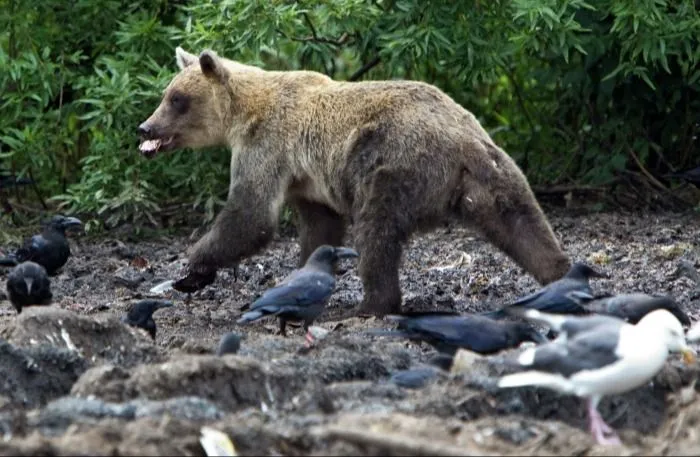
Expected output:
(565, 296)
(50, 248)
(141, 315)
(448, 332)
(28, 285)
(303, 294)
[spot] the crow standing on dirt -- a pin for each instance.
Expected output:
(632, 307)
(50, 248)
(28, 285)
(564, 296)
(447, 332)
(141, 315)
(303, 295)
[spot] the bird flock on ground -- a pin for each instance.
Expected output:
(597, 344)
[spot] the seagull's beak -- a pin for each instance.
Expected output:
(688, 355)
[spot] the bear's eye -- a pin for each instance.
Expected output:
(179, 102)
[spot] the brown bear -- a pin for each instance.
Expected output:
(392, 158)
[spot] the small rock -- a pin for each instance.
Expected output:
(415, 378)
(318, 333)
(131, 277)
(517, 435)
(463, 361)
(229, 344)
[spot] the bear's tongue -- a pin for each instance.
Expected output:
(149, 145)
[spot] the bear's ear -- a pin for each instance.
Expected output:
(183, 58)
(212, 67)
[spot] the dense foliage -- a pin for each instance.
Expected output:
(575, 91)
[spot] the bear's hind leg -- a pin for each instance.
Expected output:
(317, 225)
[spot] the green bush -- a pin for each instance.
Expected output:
(576, 92)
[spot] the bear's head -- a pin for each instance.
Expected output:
(195, 108)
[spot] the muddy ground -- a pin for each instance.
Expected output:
(78, 382)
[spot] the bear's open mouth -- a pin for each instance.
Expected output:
(149, 148)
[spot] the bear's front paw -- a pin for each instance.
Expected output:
(196, 278)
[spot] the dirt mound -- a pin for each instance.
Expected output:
(231, 382)
(32, 376)
(234, 381)
(98, 339)
(163, 436)
(57, 416)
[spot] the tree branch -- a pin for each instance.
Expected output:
(364, 69)
(345, 38)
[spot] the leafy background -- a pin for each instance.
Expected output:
(580, 94)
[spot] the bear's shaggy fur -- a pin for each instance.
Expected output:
(389, 157)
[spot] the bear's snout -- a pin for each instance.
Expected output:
(145, 130)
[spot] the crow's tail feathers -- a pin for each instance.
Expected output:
(497, 314)
(250, 317)
(8, 262)
(384, 332)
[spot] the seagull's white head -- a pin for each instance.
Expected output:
(662, 324)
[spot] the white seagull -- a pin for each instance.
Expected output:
(595, 357)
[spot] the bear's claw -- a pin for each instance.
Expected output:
(195, 279)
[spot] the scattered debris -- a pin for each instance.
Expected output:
(464, 260)
(216, 443)
(599, 258)
(163, 287)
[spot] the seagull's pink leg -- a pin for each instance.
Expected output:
(599, 428)
(310, 340)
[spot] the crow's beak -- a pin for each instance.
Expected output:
(600, 274)
(164, 304)
(343, 253)
(71, 222)
(537, 337)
